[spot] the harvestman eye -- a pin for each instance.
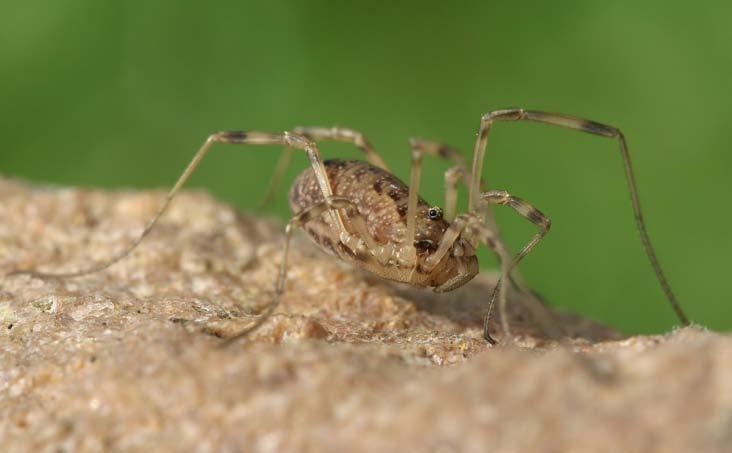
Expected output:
(434, 213)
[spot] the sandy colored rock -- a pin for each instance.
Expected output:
(131, 358)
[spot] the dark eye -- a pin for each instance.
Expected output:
(434, 213)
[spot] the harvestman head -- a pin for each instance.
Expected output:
(362, 213)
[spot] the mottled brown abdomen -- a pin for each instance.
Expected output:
(381, 198)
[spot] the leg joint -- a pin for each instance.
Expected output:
(233, 137)
(504, 115)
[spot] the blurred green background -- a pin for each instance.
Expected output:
(121, 94)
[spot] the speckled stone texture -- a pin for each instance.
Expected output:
(131, 358)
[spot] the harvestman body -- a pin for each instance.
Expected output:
(361, 213)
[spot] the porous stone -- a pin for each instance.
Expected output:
(131, 358)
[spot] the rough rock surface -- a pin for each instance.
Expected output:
(131, 358)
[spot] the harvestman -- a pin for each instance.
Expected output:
(363, 214)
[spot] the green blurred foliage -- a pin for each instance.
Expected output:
(118, 94)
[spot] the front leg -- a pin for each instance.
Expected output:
(582, 125)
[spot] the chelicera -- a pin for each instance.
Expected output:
(360, 212)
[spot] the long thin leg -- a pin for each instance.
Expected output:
(453, 176)
(530, 213)
(297, 221)
(317, 134)
(485, 233)
(457, 173)
(547, 320)
(277, 175)
(470, 227)
(488, 237)
(408, 253)
(440, 150)
(342, 134)
(525, 210)
(231, 137)
(571, 122)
